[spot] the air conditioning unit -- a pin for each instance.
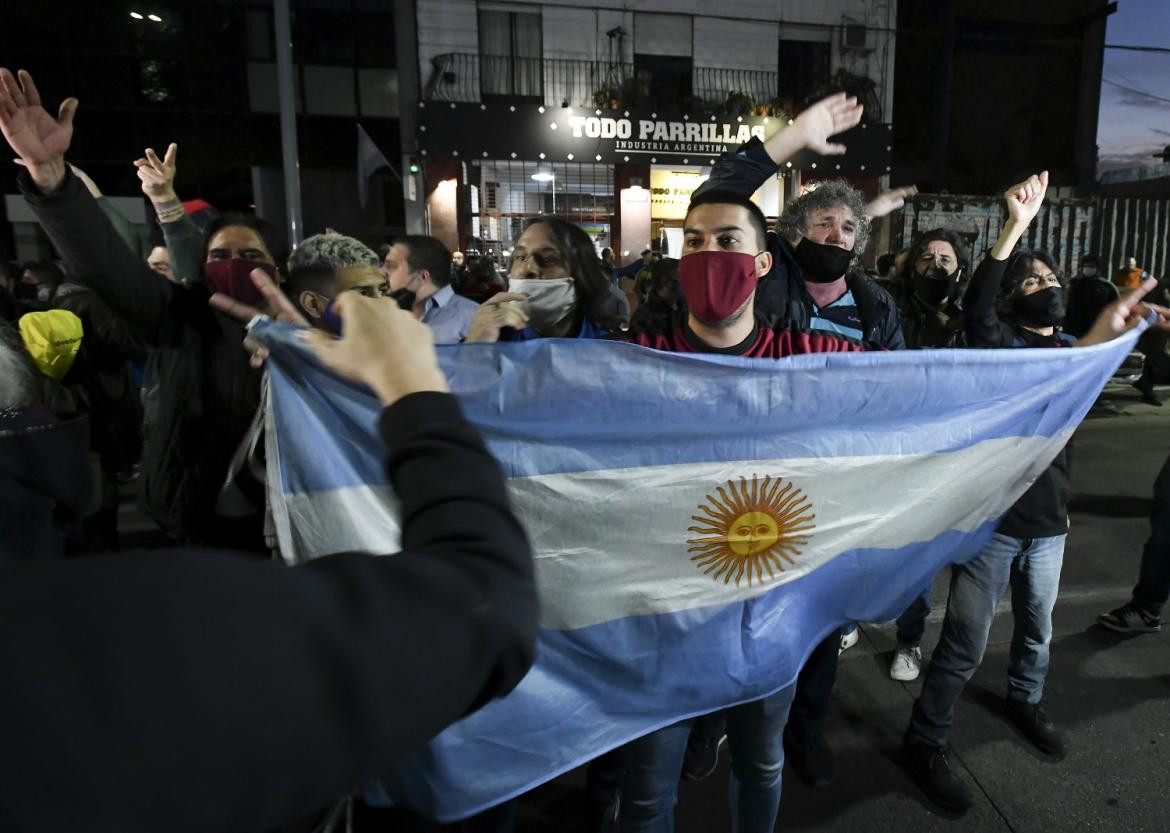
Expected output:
(856, 37)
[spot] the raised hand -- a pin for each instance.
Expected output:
(825, 119)
(277, 304)
(1025, 198)
(890, 201)
(496, 313)
(158, 175)
(381, 345)
(39, 139)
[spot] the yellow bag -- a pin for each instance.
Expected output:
(52, 338)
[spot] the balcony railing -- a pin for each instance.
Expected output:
(558, 83)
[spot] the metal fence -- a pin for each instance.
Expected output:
(1133, 227)
(1113, 228)
(1064, 228)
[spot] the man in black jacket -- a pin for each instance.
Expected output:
(193, 690)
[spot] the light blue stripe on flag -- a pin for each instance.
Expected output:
(699, 523)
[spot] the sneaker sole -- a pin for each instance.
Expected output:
(1110, 626)
(903, 678)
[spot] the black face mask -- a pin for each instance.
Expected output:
(25, 291)
(404, 298)
(936, 287)
(821, 263)
(1040, 309)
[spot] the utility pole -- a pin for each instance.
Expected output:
(288, 122)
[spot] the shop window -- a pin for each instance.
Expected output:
(510, 54)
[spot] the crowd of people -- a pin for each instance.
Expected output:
(286, 672)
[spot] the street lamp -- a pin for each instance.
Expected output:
(548, 176)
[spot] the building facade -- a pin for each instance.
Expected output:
(611, 117)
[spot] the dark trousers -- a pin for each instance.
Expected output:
(1153, 587)
(814, 686)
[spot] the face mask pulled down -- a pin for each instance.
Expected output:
(821, 262)
(550, 302)
(716, 284)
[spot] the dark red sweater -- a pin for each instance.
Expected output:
(763, 343)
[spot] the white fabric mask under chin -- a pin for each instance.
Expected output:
(550, 301)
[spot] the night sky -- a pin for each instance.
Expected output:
(1135, 122)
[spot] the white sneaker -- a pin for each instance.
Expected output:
(848, 640)
(907, 664)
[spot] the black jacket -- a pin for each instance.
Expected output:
(1086, 298)
(922, 326)
(208, 394)
(196, 690)
(100, 377)
(654, 315)
(781, 297)
(1042, 511)
(44, 482)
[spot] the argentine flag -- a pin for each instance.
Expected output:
(700, 522)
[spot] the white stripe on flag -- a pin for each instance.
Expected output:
(615, 543)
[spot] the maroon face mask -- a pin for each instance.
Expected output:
(233, 278)
(715, 284)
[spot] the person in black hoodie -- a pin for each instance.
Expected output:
(1014, 301)
(194, 690)
(208, 393)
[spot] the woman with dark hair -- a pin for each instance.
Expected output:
(1015, 300)
(208, 393)
(557, 288)
(929, 290)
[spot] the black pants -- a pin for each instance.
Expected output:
(814, 686)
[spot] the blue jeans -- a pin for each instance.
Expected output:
(912, 622)
(1032, 567)
(754, 739)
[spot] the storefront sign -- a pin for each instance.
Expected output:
(671, 190)
(531, 132)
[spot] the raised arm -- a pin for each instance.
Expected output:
(126, 229)
(183, 238)
(981, 321)
(746, 168)
(94, 253)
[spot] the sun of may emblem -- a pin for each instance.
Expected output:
(750, 529)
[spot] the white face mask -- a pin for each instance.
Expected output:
(1089, 271)
(550, 301)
